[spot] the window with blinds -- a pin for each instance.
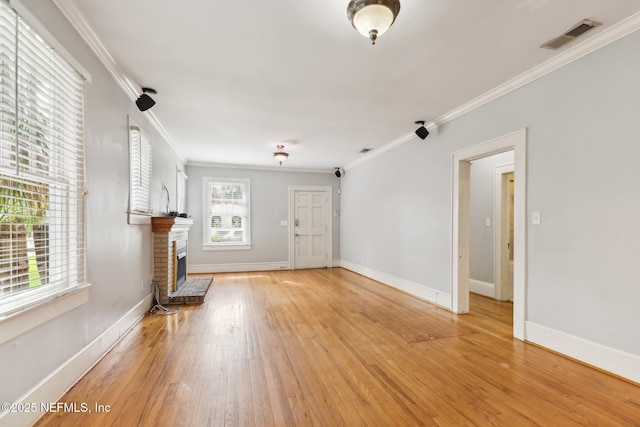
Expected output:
(42, 230)
(227, 216)
(140, 161)
(181, 191)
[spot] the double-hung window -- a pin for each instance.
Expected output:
(140, 170)
(226, 213)
(42, 230)
(181, 191)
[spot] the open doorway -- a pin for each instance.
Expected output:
(489, 226)
(515, 141)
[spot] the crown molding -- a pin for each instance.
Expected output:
(257, 168)
(571, 54)
(604, 38)
(78, 21)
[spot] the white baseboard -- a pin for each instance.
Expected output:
(56, 384)
(245, 267)
(606, 358)
(412, 288)
(238, 267)
(482, 288)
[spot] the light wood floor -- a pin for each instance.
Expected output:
(332, 348)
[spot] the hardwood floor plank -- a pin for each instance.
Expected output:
(332, 348)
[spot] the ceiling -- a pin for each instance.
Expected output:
(236, 78)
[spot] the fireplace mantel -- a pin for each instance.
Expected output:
(165, 224)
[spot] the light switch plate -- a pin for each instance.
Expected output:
(535, 218)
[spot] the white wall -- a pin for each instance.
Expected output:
(269, 206)
(582, 151)
(118, 259)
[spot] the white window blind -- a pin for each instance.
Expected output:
(42, 230)
(140, 172)
(227, 217)
(181, 192)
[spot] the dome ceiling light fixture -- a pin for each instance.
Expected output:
(372, 18)
(280, 155)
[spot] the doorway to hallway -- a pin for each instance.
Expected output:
(460, 244)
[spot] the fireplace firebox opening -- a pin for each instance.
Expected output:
(181, 262)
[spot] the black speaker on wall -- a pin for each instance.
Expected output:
(144, 102)
(422, 131)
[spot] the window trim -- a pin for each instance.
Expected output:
(43, 304)
(206, 220)
(46, 35)
(14, 324)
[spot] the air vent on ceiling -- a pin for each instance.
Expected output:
(577, 30)
(365, 150)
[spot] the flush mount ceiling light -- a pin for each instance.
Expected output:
(144, 102)
(372, 18)
(280, 154)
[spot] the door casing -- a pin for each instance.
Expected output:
(501, 230)
(515, 141)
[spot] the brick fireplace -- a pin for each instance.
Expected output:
(168, 234)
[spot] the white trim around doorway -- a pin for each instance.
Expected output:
(515, 141)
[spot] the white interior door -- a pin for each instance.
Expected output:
(311, 228)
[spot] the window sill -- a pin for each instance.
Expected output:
(244, 247)
(135, 218)
(29, 318)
